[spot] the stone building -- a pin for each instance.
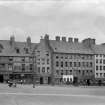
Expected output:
(56, 58)
(52, 61)
(99, 61)
(16, 61)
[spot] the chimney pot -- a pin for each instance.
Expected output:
(70, 40)
(57, 38)
(64, 39)
(75, 40)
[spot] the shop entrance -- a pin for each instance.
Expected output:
(41, 80)
(1, 78)
(75, 80)
(49, 80)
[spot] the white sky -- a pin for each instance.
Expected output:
(35, 18)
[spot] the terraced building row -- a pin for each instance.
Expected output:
(52, 61)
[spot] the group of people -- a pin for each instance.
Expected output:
(13, 83)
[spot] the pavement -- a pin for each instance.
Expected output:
(51, 95)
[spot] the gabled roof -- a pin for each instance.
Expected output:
(66, 47)
(98, 49)
(9, 50)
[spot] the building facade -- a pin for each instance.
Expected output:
(16, 60)
(52, 61)
(100, 66)
(64, 58)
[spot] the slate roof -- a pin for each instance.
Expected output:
(66, 47)
(98, 49)
(11, 51)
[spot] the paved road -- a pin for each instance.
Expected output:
(47, 95)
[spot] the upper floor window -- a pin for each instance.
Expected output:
(103, 67)
(26, 50)
(66, 65)
(23, 67)
(100, 74)
(57, 57)
(48, 69)
(17, 50)
(100, 67)
(57, 72)
(96, 60)
(91, 64)
(100, 55)
(31, 66)
(97, 55)
(61, 57)
(75, 64)
(100, 60)
(96, 67)
(104, 61)
(57, 63)
(61, 64)
(47, 53)
(97, 74)
(38, 69)
(79, 64)
(70, 64)
(47, 61)
(43, 69)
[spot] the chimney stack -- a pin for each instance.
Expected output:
(64, 39)
(75, 40)
(57, 38)
(12, 40)
(70, 40)
(28, 41)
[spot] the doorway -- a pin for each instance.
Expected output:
(1, 78)
(75, 80)
(49, 80)
(41, 80)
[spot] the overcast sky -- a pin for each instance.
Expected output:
(71, 18)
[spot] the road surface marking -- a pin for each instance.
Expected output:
(64, 95)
